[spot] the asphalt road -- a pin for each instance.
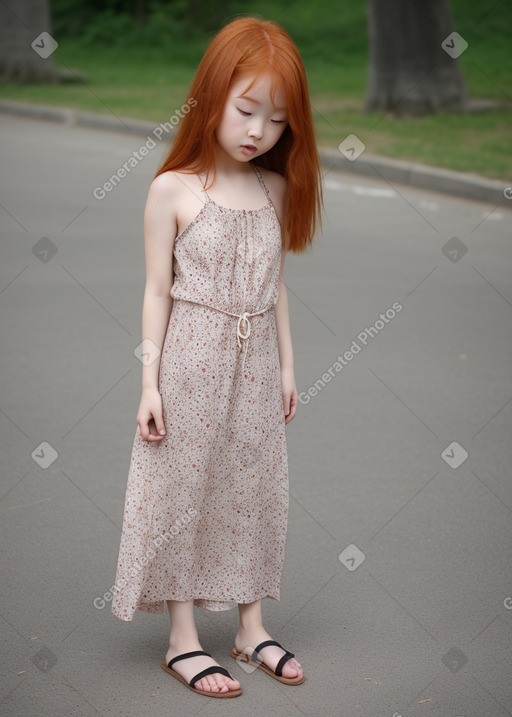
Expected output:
(396, 595)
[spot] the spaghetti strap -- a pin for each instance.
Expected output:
(203, 184)
(204, 190)
(258, 174)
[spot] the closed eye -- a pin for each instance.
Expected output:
(247, 114)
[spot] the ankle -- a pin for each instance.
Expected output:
(248, 625)
(177, 639)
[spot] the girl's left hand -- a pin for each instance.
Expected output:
(290, 395)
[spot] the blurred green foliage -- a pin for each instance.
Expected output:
(331, 34)
(138, 61)
(323, 30)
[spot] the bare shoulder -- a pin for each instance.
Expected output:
(175, 197)
(162, 212)
(275, 182)
(168, 186)
(276, 185)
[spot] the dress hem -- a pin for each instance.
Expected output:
(158, 607)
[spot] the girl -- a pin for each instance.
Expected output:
(205, 515)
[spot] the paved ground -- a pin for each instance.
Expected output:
(396, 593)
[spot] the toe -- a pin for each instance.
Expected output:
(291, 669)
(289, 672)
(209, 684)
(214, 685)
(220, 683)
(226, 684)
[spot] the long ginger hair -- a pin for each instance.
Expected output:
(245, 47)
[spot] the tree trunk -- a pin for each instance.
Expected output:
(21, 23)
(205, 16)
(141, 13)
(409, 71)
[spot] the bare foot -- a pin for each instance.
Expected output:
(246, 640)
(190, 666)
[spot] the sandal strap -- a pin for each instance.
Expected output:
(284, 658)
(264, 644)
(209, 671)
(185, 655)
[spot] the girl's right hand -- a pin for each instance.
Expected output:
(150, 415)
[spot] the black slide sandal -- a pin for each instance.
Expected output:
(257, 662)
(208, 671)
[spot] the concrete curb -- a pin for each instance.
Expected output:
(469, 186)
(422, 176)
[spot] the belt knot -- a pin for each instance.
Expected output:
(243, 328)
(245, 332)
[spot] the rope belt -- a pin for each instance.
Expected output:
(243, 327)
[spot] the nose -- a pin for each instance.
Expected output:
(256, 129)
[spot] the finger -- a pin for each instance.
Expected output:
(160, 425)
(144, 429)
(153, 433)
(291, 415)
(148, 430)
(293, 405)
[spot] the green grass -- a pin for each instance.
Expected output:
(148, 77)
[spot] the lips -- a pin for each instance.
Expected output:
(249, 146)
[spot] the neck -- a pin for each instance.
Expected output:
(227, 166)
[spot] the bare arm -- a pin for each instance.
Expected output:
(283, 322)
(160, 230)
(159, 235)
(284, 340)
(278, 189)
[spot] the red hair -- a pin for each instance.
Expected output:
(250, 46)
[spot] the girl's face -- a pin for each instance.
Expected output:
(251, 124)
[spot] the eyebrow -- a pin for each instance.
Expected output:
(251, 99)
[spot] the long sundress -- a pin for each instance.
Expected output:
(205, 515)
